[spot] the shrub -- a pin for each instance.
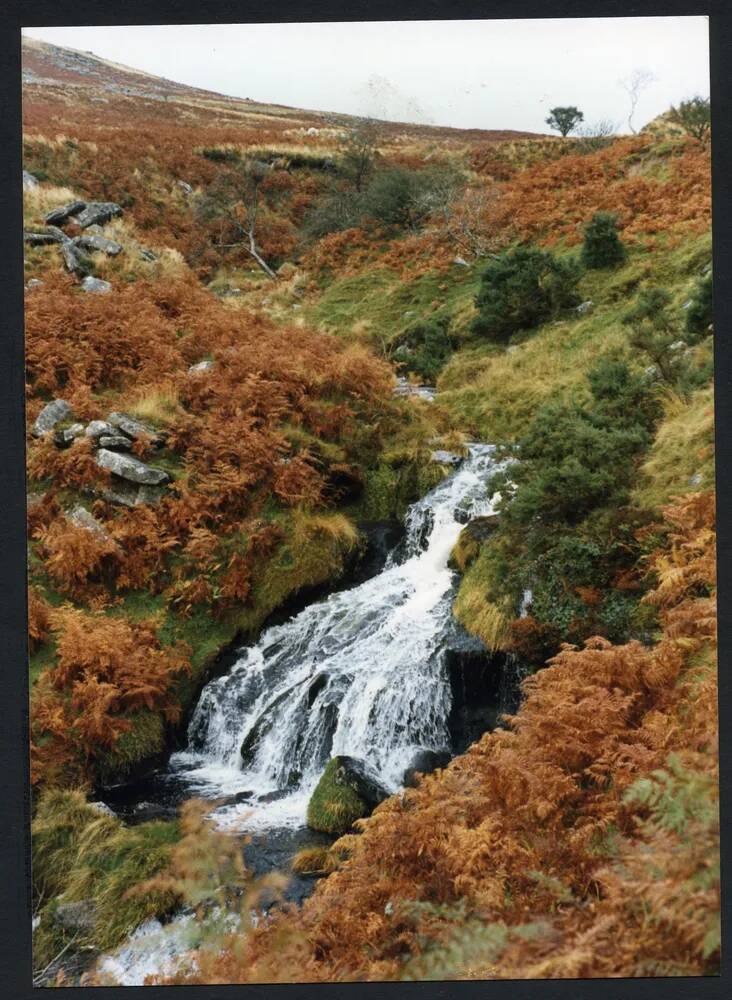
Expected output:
(602, 246)
(694, 116)
(424, 348)
(521, 289)
(699, 315)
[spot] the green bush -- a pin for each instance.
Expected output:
(699, 316)
(521, 289)
(424, 348)
(566, 528)
(602, 246)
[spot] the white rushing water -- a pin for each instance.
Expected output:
(360, 673)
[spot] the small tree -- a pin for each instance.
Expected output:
(695, 117)
(564, 120)
(602, 246)
(652, 330)
(521, 289)
(359, 152)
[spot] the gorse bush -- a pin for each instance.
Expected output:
(602, 246)
(521, 289)
(566, 529)
(394, 197)
(424, 348)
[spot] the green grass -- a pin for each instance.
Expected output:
(81, 854)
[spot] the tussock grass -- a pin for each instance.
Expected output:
(681, 459)
(82, 855)
(157, 404)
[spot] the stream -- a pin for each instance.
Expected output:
(364, 672)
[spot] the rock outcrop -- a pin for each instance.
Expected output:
(63, 213)
(53, 413)
(131, 469)
(97, 213)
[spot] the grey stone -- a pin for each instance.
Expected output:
(115, 442)
(76, 262)
(51, 414)
(78, 916)
(43, 236)
(98, 244)
(34, 283)
(407, 389)
(446, 457)
(185, 186)
(103, 808)
(96, 428)
(148, 255)
(64, 212)
(461, 262)
(696, 479)
(131, 469)
(687, 304)
(97, 212)
(134, 428)
(96, 285)
(678, 345)
(128, 494)
(81, 518)
(69, 434)
(585, 307)
(202, 366)
(29, 181)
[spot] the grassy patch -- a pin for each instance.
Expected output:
(80, 854)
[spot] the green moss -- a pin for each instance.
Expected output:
(143, 741)
(334, 808)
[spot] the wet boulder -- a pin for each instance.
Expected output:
(471, 538)
(53, 413)
(63, 213)
(97, 213)
(424, 762)
(446, 457)
(131, 469)
(348, 790)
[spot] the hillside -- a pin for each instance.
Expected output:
(231, 307)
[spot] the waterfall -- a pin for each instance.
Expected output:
(361, 673)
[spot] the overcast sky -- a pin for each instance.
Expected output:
(480, 74)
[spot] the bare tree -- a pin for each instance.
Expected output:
(634, 85)
(231, 215)
(468, 222)
(593, 137)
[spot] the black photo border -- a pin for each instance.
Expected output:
(15, 912)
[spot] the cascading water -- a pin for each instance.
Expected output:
(360, 673)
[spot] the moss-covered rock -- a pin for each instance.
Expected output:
(467, 547)
(346, 792)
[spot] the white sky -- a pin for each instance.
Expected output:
(479, 74)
